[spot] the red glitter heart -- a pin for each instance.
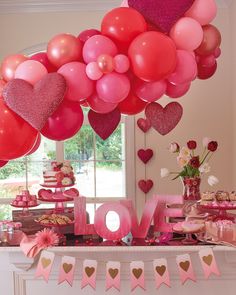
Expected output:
(162, 13)
(164, 119)
(145, 155)
(145, 186)
(104, 124)
(144, 124)
(35, 104)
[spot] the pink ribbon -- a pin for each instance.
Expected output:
(29, 246)
(113, 275)
(137, 275)
(67, 270)
(89, 274)
(161, 272)
(44, 266)
(208, 262)
(185, 268)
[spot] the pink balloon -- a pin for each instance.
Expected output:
(187, 33)
(113, 87)
(2, 85)
(85, 35)
(3, 163)
(206, 72)
(64, 48)
(124, 3)
(31, 71)
(121, 63)
(43, 59)
(186, 68)
(79, 86)
(97, 45)
(217, 52)
(150, 91)
(93, 71)
(105, 63)
(175, 91)
(36, 145)
(9, 65)
(203, 11)
(100, 106)
(207, 61)
(65, 122)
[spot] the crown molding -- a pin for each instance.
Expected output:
(24, 6)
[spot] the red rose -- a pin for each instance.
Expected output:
(212, 146)
(194, 162)
(192, 144)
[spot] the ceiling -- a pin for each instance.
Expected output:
(17, 6)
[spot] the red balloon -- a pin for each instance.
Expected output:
(65, 122)
(122, 25)
(3, 163)
(43, 59)
(132, 105)
(85, 35)
(153, 56)
(206, 72)
(17, 137)
(211, 40)
(36, 145)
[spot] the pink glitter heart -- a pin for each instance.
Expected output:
(145, 155)
(162, 13)
(104, 124)
(35, 104)
(145, 186)
(144, 124)
(164, 119)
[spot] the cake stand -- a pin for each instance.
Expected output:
(25, 209)
(222, 211)
(188, 240)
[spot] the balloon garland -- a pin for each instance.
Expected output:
(144, 50)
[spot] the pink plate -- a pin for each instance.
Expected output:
(24, 206)
(54, 225)
(55, 200)
(57, 186)
(219, 207)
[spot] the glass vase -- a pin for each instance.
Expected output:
(191, 185)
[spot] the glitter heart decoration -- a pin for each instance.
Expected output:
(35, 104)
(144, 124)
(145, 185)
(145, 155)
(162, 13)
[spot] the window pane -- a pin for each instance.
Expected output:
(84, 174)
(46, 150)
(5, 212)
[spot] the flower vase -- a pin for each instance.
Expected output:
(191, 190)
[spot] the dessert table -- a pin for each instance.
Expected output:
(17, 272)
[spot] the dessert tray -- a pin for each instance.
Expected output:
(188, 228)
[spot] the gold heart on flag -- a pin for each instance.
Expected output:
(67, 267)
(137, 272)
(45, 262)
(208, 259)
(89, 271)
(185, 265)
(113, 272)
(161, 270)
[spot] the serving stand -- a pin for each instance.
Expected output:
(221, 213)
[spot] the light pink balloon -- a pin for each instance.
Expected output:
(105, 63)
(113, 87)
(31, 71)
(100, 106)
(93, 71)
(203, 11)
(121, 63)
(187, 34)
(97, 45)
(79, 86)
(176, 91)
(186, 68)
(150, 91)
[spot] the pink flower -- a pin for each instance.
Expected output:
(174, 147)
(46, 238)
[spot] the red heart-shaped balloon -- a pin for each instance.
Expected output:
(145, 185)
(104, 124)
(35, 104)
(145, 155)
(162, 13)
(144, 124)
(164, 119)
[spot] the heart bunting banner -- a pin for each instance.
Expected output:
(67, 270)
(44, 266)
(113, 275)
(161, 272)
(137, 275)
(185, 268)
(89, 274)
(208, 262)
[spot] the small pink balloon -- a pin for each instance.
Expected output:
(187, 34)
(207, 61)
(150, 91)
(93, 71)
(31, 71)
(121, 63)
(100, 106)
(175, 91)
(85, 35)
(203, 11)
(79, 86)
(97, 45)
(186, 68)
(105, 63)
(9, 65)
(113, 87)
(43, 59)
(217, 52)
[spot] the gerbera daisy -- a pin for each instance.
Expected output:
(46, 238)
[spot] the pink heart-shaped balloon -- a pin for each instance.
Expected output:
(164, 119)
(145, 155)
(145, 186)
(35, 104)
(104, 124)
(162, 13)
(144, 124)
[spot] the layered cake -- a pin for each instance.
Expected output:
(59, 174)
